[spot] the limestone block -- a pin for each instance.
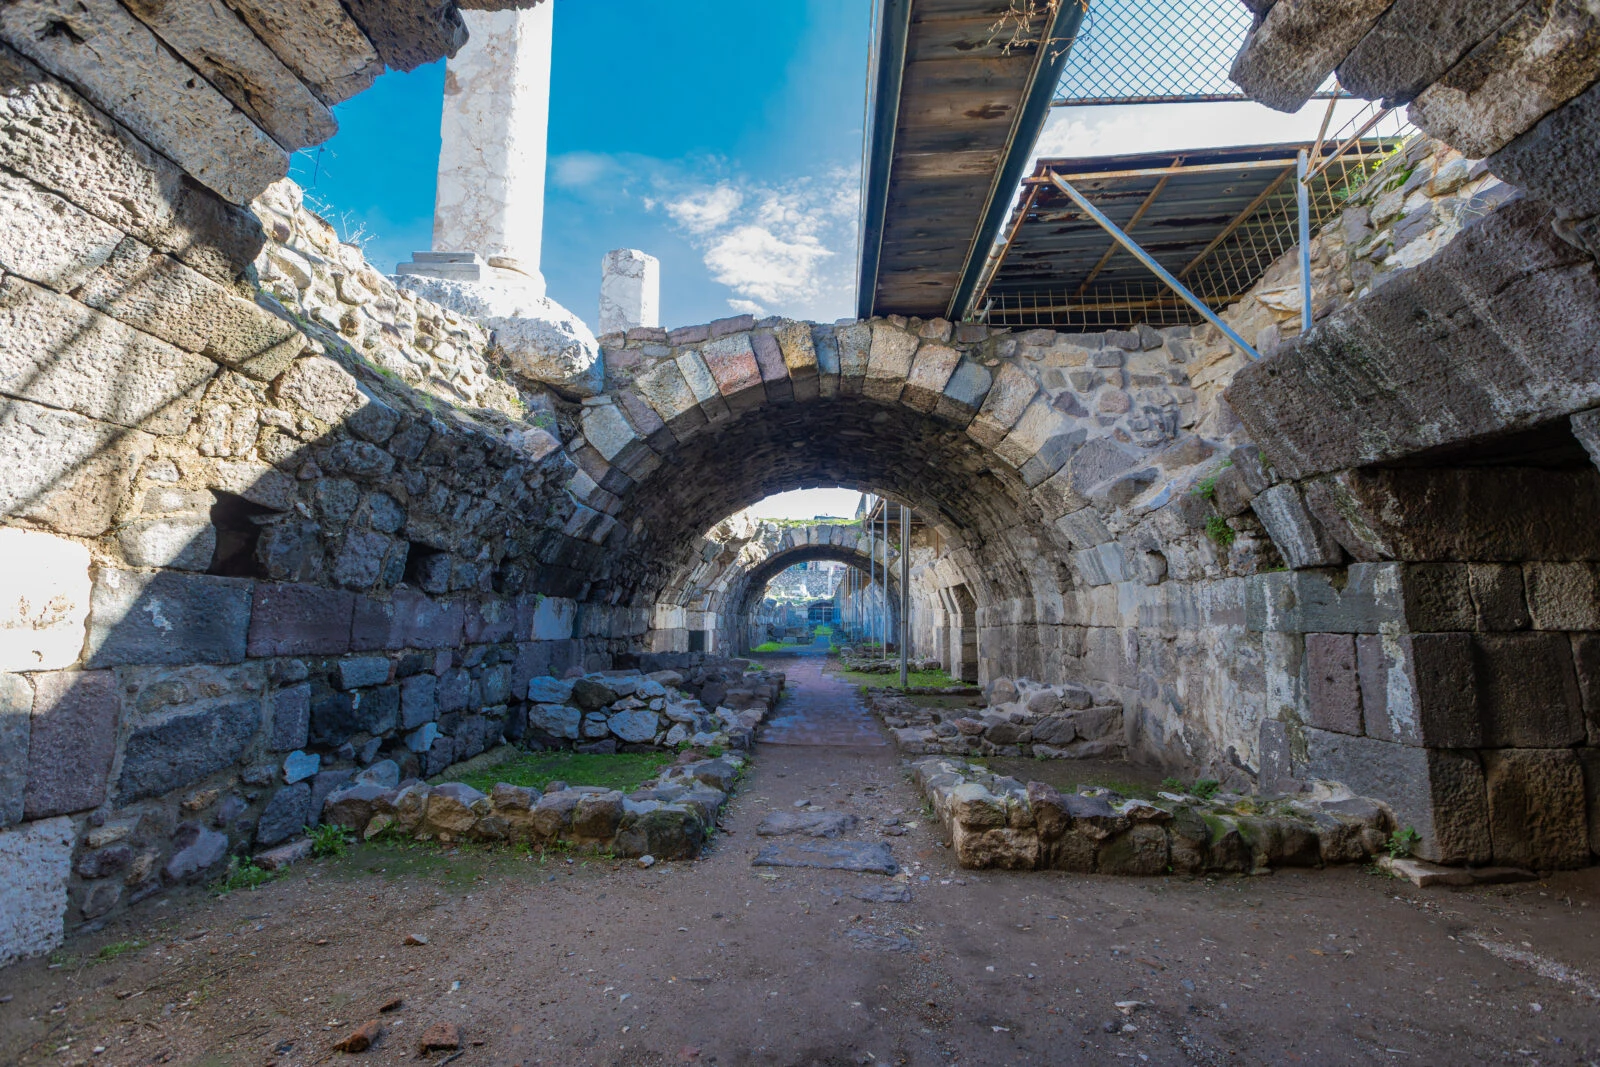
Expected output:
(630, 291)
(57, 352)
(964, 392)
(320, 386)
(889, 362)
(1538, 59)
(35, 863)
(164, 617)
(1563, 596)
(1556, 161)
(64, 471)
(799, 357)
(126, 70)
(826, 346)
(1298, 536)
(410, 33)
(1524, 307)
(51, 136)
(550, 344)
(317, 40)
(774, 371)
(220, 46)
(1498, 599)
(72, 739)
(48, 240)
(44, 600)
(1008, 397)
(670, 396)
(703, 384)
(855, 348)
(1041, 442)
(1527, 690)
(612, 435)
(1537, 808)
(930, 373)
(1419, 689)
(732, 362)
(16, 713)
(161, 296)
(1297, 45)
(179, 544)
(1438, 792)
(1509, 513)
(1415, 42)
(184, 748)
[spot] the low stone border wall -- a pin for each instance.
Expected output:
(994, 821)
(668, 818)
(1023, 718)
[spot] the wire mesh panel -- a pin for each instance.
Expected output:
(1156, 51)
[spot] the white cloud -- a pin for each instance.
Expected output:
(575, 170)
(704, 210)
(788, 248)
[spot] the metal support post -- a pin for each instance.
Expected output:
(1155, 268)
(905, 594)
(1302, 203)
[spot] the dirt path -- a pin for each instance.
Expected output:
(595, 962)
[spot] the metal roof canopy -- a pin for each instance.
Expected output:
(1197, 213)
(958, 98)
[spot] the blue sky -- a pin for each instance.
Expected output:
(726, 144)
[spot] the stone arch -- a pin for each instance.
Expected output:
(745, 586)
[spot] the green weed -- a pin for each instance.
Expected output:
(110, 952)
(242, 874)
(1403, 842)
(1220, 532)
(328, 839)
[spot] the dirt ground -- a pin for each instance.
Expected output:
(571, 960)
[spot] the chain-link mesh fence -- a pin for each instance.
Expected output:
(1154, 51)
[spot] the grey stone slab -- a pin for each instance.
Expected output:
(35, 864)
(286, 814)
(299, 620)
(1296, 46)
(290, 713)
(183, 749)
(865, 857)
(807, 823)
(1414, 43)
(1299, 537)
(16, 711)
(72, 742)
(883, 894)
(63, 471)
(165, 617)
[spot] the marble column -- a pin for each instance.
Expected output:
(630, 290)
(489, 210)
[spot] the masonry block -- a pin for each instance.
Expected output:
(930, 373)
(44, 600)
(1419, 689)
(799, 357)
(889, 363)
(1589, 760)
(73, 737)
(184, 748)
(163, 617)
(1300, 538)
(35, 864)
(16, 713)
(774, 371)
(48, 240)
(1438, 792)
(964, 393)
(1538, 813)
(826, 346)
(1499, 601)
(289, 711)
(1527, 690)
(300, 620)
(1009, 395)
(670, 396)
(1563, 596)
(855, 350)
(1310, 602)
(1333, 695)
(732, 362)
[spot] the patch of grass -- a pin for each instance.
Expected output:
(110, 952)
(1220, 532)
(771, 646)
(1403, 842)
(878, 681)
(328, 839)
(242, 874)
(625, 770)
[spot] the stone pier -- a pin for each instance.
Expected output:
(630, 291)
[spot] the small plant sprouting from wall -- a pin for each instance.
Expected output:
(1403, 843)
(1220, 532)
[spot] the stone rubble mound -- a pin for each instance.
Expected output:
(995, 821)
(668, 818)
(605, 711)
(1022, 718)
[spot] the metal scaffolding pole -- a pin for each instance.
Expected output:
(872, 563)
(905, 594)
(885, 579)
(1302, 203)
